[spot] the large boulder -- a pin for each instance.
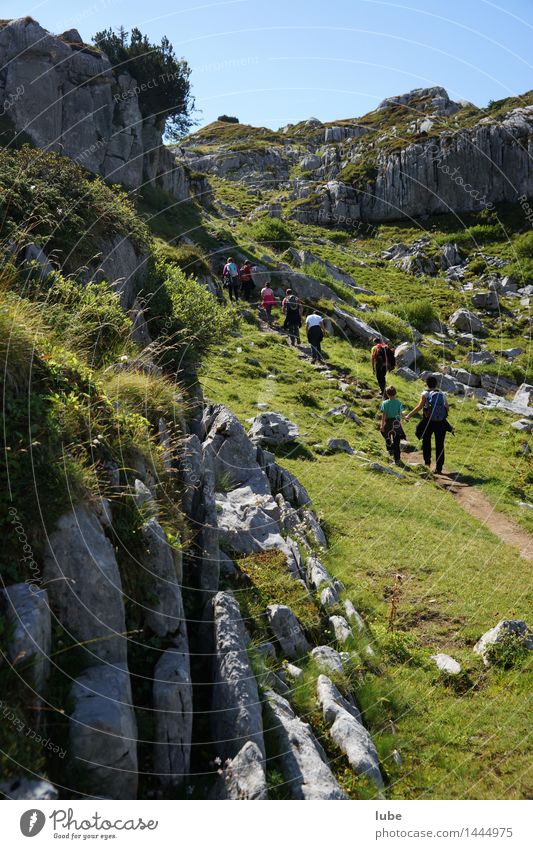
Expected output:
(486, 301)
(248, 522)
(236, 710)
(354, 326)
(301, 757)
(450, 256)
(497, 385)
(287, 630)
(173, 717)
(328, 660)
(463, 319)
(466, 377)
(272, 429)
(285, 483)
(505, 628)
(29, 629)
(81, 574)
(233, 455)
(407, 354)
(243, 777)
(348, 731)
(103, 733)
(477, 358)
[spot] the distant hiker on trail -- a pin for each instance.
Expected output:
(383, 360)
(391, 423)
(292, 310)
(268, 300)
(435, 410)
(245, 275)
(314, 324)
(231, 276)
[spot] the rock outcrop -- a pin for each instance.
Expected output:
(75, 103)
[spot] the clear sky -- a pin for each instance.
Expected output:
(271, 62)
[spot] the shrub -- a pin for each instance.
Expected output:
(228, 119)
(511, 650)
(20, 335)
(89, 319)
(198, 320)
(272, 232)
(190, 258)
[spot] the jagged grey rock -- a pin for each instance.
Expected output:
(341, 629)
(103, 732)
(344, 410)
(285, 483)
(329, 597)
(407, 354)
(354, 326)
(497, 385)
(172, 699)
(29, 632)
(466, 377)
(328, 659)
(164, 613)
(463, 319)
(523, 425)
(504, 628)
(243, 777)
(477, 358)
(287, 630)
(198, 500)
(348, 731)
(340, 445)
(236, 710)
(302, 759)
(317, 574)
(313, 526)
(407, 373)
(81, 575)
(352, 615)
(272, 429)
(524, 395)
(446, 663)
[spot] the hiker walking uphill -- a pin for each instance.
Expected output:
(247, 283)
(435, 422)
(268, 300)
(314, 324)
(292, 310)
(231, 277)
(391, 423)
(383, 360)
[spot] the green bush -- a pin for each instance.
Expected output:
(272, 232)
(89, 319)
(511, 650)
(198, 321)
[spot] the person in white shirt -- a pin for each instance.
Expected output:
(314, 325)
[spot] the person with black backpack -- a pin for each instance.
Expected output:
(435, 422)
(383, 360)
(292, 311)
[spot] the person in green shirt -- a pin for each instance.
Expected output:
(391, 423)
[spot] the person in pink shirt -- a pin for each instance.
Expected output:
(268, 300)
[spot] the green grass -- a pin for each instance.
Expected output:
(458, 578)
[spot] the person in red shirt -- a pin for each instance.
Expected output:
(268, 300)
(245, 274)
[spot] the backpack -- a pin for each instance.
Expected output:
(292, 306)
(386, 356)
(435, 408)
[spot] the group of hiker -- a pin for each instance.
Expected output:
(240, 280)
(433, 404)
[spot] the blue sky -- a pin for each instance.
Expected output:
(271, 62)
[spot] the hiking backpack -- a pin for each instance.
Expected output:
(386, 356)
(435, 408)
(293, 307)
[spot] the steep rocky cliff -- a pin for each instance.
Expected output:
(417, 154)
(63, 96)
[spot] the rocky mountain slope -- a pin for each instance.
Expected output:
(214, 585)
